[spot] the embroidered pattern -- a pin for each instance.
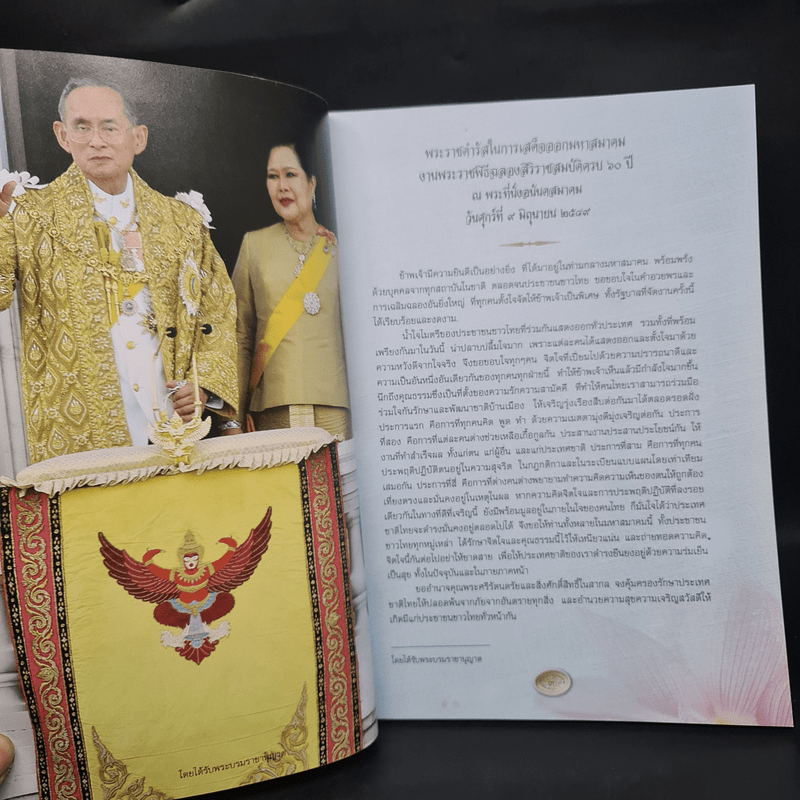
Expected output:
(293, 756)
(37, 588)
(190, 287)
(195, 594)
(50, 243)
(34, 590)
(114, 776)
(340, 717)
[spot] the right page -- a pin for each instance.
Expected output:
(553, 322)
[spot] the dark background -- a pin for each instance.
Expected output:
(208, 131)
(368, 53)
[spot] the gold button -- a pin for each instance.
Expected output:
(135, 387)
(112, 220)
(131, 345)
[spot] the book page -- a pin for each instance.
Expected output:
(136, 189)
(553, 325)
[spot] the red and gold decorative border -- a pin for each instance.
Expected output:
(327, 552)
(35, 594)
(34, 588)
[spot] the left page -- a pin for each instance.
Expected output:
(196, 593)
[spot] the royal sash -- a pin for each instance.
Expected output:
(289, 309)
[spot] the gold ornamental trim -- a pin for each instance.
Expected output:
(290, 756)
(117, 782)
(293, 755)
(35, 590)
(37, 602)
(351, 687)
(341, 692)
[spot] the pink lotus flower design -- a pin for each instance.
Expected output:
(738, 674)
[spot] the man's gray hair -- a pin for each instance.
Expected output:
(77, 83)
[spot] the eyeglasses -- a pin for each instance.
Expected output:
(110, 132)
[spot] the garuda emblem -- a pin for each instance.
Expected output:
(196, 593)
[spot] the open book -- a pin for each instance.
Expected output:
(551, 319)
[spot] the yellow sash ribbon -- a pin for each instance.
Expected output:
(289, 308)
(116, 291)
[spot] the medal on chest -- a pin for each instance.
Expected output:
(311, 302)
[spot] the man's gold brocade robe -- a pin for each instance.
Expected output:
(49, 249)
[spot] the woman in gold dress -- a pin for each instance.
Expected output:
(291, 353)
(291, 356)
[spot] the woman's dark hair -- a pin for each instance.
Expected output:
(302, 150)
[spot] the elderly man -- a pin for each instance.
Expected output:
(118, 287)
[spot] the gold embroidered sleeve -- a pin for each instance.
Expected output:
(246, 323)
(8, 261)
(216, 350)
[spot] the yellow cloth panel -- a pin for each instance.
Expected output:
(146, 701)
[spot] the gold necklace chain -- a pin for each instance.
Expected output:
(311, 303)
(302, 250)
